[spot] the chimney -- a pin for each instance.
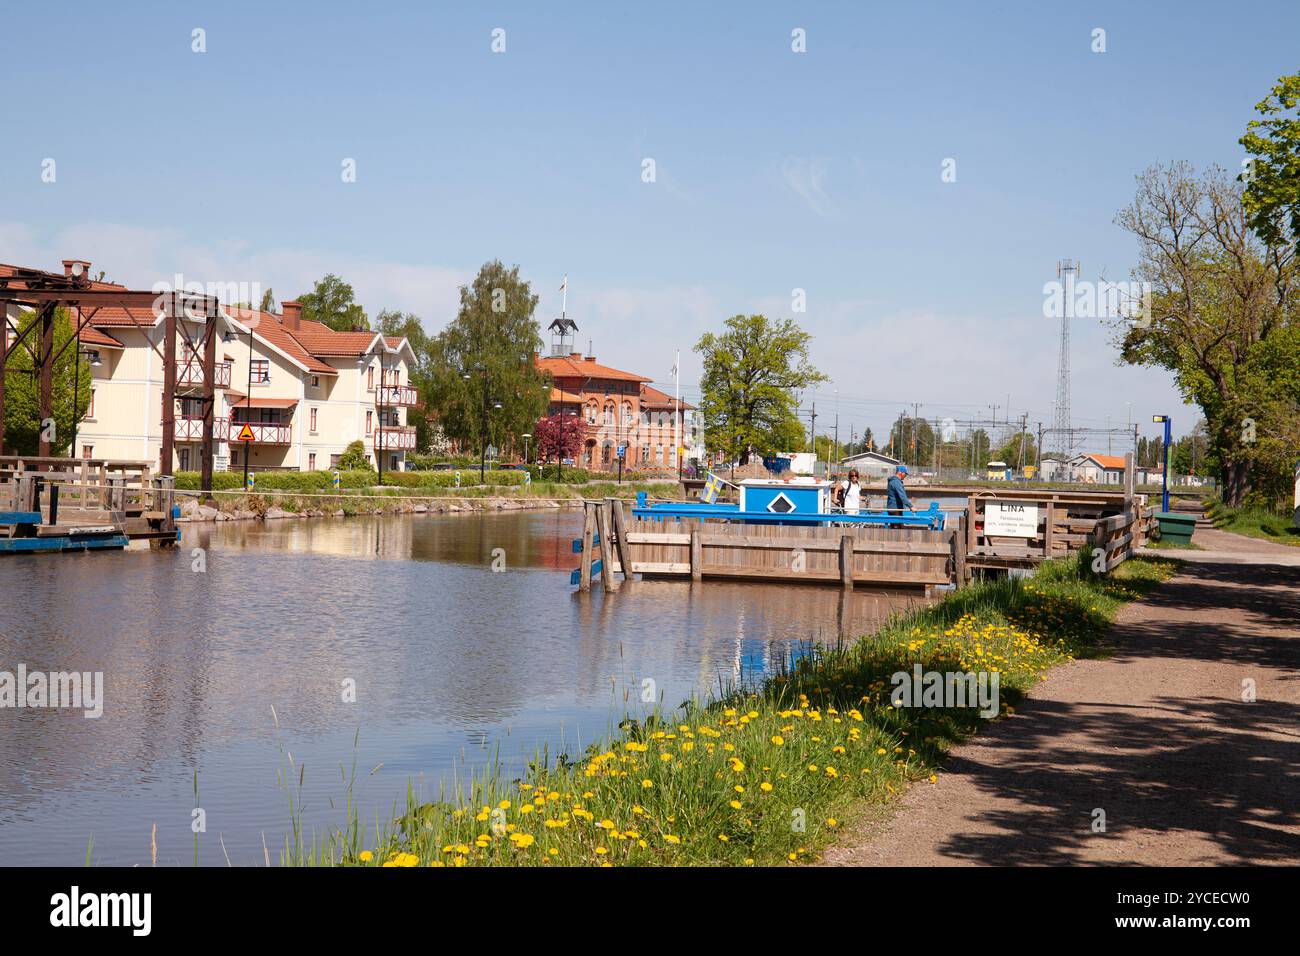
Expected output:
(76, 268)
(292, 315)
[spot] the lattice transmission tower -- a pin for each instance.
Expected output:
(1067, 271)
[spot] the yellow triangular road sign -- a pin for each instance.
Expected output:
(245, 434)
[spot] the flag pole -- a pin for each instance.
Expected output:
(677, 409)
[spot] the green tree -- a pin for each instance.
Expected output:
(1222, 319)
(1272, 178)
(751, 374)
(23, 389)
(913, 441)
(482, 373)
(1010, 452)
(331, 302)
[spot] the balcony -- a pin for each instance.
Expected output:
(393, 438)
(393, 395)
(263, 433)
(190, 428)
(190, 374)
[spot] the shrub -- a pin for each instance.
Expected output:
(354, 457)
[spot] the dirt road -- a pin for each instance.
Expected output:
(1157, 736)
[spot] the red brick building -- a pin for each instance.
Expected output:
(616, 408)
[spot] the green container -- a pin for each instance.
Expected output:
(1176, 528)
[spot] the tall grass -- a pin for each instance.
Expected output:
(759, 775)
(1255, 522)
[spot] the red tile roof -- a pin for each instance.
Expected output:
(267, 326)
(320, 339)
(653, 398)
(1108, 461)
(578, 366)
(569, 398)
(92, 336)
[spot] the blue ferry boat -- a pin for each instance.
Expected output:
(792, 501)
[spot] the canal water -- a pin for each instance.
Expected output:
(221, 666)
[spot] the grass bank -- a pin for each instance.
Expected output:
(1255, 523)
(763, 777)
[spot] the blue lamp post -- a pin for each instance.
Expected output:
(1164, 477)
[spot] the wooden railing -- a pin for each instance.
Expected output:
(396, 395)
(1118, 536)
(191, 373)
(124, 493)
(263, 433)
(395, 438)
(190, 428)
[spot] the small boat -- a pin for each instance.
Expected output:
(791, 501)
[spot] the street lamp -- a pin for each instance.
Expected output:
(1164, 477)
(526, 436)
(482, 465)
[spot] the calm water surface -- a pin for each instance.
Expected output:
(452, 664)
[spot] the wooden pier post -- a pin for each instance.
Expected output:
(624, 546)
(1049, 529)
(959, 551)
(970, 525)
(846, 562)
(697, 555)
(588, 527)
(606, 548)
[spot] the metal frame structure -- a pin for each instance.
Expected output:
(46, 292)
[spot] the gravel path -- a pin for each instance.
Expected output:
(1156, 735)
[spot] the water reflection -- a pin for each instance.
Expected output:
(452, 663)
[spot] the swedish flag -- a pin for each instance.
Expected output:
(712, 488)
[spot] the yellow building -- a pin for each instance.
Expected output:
(305, 390)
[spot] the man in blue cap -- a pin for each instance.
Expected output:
(898, 500)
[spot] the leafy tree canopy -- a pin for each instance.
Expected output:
(23, 391)
(752, 374)
(332, 302)
(482, 373)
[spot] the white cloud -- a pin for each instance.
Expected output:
(807, 179)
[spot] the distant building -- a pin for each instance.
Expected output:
(619, 409)
(1098, 469)
(870, 464)
(1054, 468)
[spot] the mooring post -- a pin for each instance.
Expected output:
(846, 562)
(1049, 529)
(959, 552)
(588, 527)
(970, 525)
(1129, 486)
(624, 546)
(697, 555)
(606, 548)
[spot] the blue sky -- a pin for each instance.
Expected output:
(775, 170)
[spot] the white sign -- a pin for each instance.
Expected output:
(1010, 519)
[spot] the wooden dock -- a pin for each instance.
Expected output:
(1046, 524)
(72, 504)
